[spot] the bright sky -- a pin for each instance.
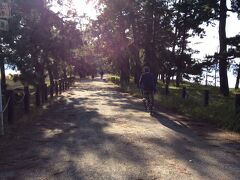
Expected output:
(210, 44)
(87, 8)
(81, 6)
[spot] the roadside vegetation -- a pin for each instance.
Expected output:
(220, 111)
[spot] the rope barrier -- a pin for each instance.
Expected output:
(4, 109)
(21, 100)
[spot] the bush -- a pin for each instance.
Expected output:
(114, 79)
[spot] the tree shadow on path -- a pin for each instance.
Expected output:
(73, 140)
(69, 141)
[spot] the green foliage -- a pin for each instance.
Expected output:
(114, 79)
(40, 43)
(135, 33)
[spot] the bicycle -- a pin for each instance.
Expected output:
(148, 101)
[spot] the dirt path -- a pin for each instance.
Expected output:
(95, 132)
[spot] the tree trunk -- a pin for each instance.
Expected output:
(136, 63)
(176, 31)
(163, 77)
(168, 78)
(183, 48)
(238, 78)
(137, 70)
(50, 74)
(40, 73)
(65, 73)
(178, 78)
(124, 71)
(55, 71)
(150, 56)
(123, 57)
(3, 77)
(135, 50)
(224, 88)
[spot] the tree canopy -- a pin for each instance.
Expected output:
(126, 36)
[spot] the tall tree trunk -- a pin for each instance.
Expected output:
(163, 77)
(137, 68)
(183, 48)
(168, 79)
(124, 71)
(40, 73)
(150, 56)
(55, 70)
(3, 76)
(124, 59)
(176, 31)
(135, 49)
(64, 73)
(50, 70)
(224, 88)
(178, 78)
(238, 78)
(50, 74)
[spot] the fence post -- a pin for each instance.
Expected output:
(51, 90)
(10, 95)
(37, 96)
(70, 81)
(45, 87)
(56, 88)
(42, 93)
(66, 84)
(63, 85)
(206, 97)
(184, 92)
(237, 103)
(166, 90)
(26, 99)
(60, 86)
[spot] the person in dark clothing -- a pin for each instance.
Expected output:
(147, 85)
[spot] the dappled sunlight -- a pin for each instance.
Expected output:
(50, 133)
(88, 128)
(94, 131)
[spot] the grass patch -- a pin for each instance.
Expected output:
(220, 111)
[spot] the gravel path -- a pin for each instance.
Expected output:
(96, 132)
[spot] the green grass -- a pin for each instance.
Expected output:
(11, 85)
(220, 111)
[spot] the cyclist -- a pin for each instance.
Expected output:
(147, 84)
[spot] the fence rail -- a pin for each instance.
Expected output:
(185, 94)
(20, 105)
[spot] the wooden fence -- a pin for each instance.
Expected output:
(20, 105)
(205, 96)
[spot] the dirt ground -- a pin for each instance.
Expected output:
(95, 132)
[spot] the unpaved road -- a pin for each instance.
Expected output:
(96, 132)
